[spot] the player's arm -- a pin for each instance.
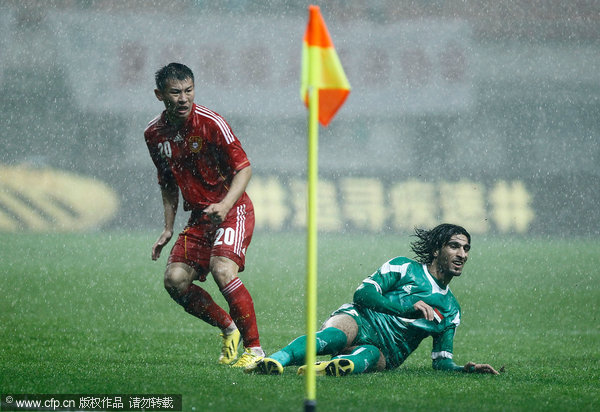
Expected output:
(218, 211)
(170, 198)
(446, 364)
(442, 356)
(169, 192)
(368, 295)
(472, 367)
(371, 294)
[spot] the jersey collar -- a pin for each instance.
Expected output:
(435, 287)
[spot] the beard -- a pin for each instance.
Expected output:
(450, 268)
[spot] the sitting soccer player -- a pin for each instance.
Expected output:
(393, 310)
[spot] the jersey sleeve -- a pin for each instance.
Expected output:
(441, 353)
(446, 364)
(368, 297)
(370, 294)
(230, 145)
(238, 156)
(164, 173)
(389, 276)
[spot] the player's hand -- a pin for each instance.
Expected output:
(216, 212)
(425, 309)
(480, 368)
(163, 239)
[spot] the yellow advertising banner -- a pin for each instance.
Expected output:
(45, 200)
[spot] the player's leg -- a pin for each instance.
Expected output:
(347, 326)
(353, 359)
(329, 341)
(195, 300)
(344, 322)
(365, 358)
(337, 332)
(190, 254)
(241, 306)
(228, 255)
(360, 359)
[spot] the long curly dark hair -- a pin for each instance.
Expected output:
(428, 241)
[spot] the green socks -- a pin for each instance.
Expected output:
(329, 342)
(364, 357)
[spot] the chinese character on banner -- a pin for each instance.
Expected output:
(329, 211)
(363, 202)
(270, 202)
(511, 207)
(463, 203)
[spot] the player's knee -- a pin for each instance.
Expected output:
(223, 270)
(380, 362)
(344, 323)
(176, 282)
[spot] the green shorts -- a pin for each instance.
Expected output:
(366, 334)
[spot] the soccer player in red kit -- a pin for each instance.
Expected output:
(195, 152)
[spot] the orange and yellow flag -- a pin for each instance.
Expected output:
(330, 80)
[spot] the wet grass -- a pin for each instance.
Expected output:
(88, 314)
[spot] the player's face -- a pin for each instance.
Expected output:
(453, 255)
(178, 97)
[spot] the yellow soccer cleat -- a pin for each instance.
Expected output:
(334, 367)
(247, 360)
(265, 366)
(229, 350)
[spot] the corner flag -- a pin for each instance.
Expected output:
(324, 89)
(330, 78)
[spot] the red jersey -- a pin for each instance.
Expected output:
(202, 156)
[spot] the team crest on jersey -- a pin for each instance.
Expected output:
(195, 143)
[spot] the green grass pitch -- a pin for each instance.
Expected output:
(88, 314)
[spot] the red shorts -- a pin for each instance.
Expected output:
(202, 239)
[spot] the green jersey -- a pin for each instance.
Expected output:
(387, 319)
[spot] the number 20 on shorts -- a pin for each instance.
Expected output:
(225, 235)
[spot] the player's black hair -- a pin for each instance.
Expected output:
(172, 71)
(429, 241)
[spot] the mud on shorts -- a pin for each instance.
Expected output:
(202, 239)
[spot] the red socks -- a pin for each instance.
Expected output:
(241, 308)
(199, 303)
